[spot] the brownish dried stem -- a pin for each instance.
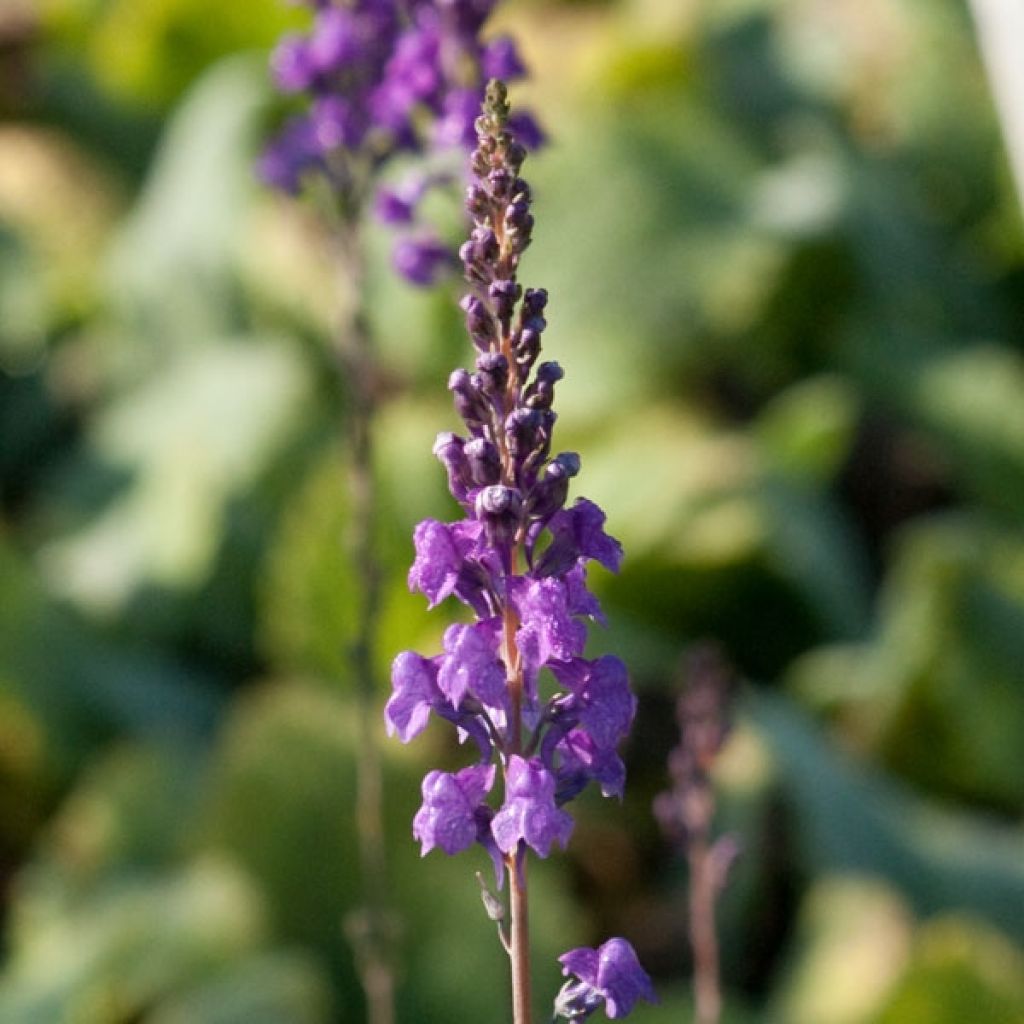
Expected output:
(703, 933)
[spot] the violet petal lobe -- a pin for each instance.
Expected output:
(578, 532)
(548, 629)
(435, 569)
(613, 973)
(448, 815)
(529, 812)
(471, 665)
(413, 679)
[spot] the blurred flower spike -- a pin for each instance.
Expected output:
(377, 79)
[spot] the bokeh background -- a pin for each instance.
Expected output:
(786, 263)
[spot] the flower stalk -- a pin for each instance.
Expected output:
(686, 814)
(518, 560)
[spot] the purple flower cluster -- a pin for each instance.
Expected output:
(514, 681)
(382, 77)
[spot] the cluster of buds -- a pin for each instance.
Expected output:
(379, 78)
(518, 559)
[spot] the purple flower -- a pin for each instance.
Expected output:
(438, 561)
(286, 161)
(529, 813)
(448, 816)
(606, 704)
(291, 66)
(414, 681)
(581, 761)
(500, 59)
(458, 115)
(335, 124)
(471, 665)
(578, 532)
(549, 630)
(610, 974)
(421, 260)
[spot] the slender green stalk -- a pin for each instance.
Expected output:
(371, 931)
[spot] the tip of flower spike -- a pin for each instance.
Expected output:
(496, 106)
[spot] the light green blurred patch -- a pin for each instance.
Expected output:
(808, 429)
(974, 399)
(959, 971)
(125, 946)
(189, 438)
(853, 945)
(274, 988)
(178, 251)
(861, 958)
(149, 51)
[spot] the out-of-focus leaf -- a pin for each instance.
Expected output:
(959, 971)
(852, 820)
(807, 431)
(275, 988)
(172, 265)
(938, 694)
(974, 400)
(810, 543)
(118, 952)
(853, 944)
(60, 204)
(190, 438)
(72, 689)
(151, 50)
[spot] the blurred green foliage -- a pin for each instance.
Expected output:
(787, 276)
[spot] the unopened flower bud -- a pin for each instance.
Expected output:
(449, 449)
(541, 392)
(469, 402)
(492, 371)
(534, 301)
(483, 461)
(501, 182)
(504, 295)
(477, 202)
(522, 428)
(550, 492)
(499, 508)
(479, 323)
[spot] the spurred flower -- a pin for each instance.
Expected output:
(529, 814)
(448, 816)
(610, 974)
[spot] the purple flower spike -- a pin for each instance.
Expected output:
(530, 813)
(517, 558)
(610, 974)
(383, 78)
(448, 816)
